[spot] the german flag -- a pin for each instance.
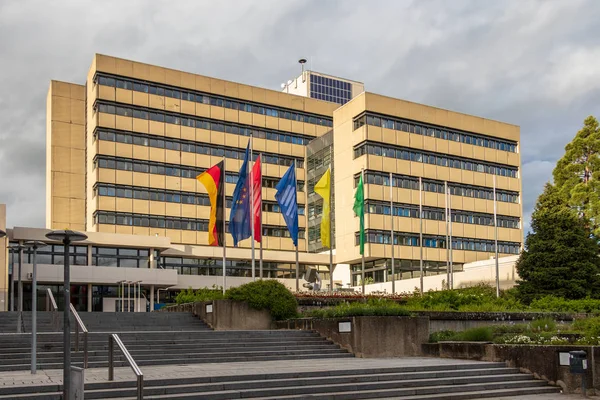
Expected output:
(213, 180)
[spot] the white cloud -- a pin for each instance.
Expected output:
(531, 63)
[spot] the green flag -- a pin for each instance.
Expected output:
(359, 210)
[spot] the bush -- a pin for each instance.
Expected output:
(559, 304)
(480, 298)
(588, 326)
(543, 325)
(191, 296)
(373, 307)
(481, 334)
(266, 295)
(441, 336)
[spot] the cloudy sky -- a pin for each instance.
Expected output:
(532, 63)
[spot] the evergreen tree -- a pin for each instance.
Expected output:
(577, 174)
(560, 256)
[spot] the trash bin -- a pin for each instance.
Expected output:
(578, 361)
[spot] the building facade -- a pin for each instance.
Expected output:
(124, 149)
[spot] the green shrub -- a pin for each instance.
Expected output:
(191, 296)
(543, 325)
(509, 329)
(480, 298)
(373, 307)
(481, 334)
(559, 304)
(588, 326)
(266, 295)
(441, 336)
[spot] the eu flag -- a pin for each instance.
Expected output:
(287, 198)
(239, 219)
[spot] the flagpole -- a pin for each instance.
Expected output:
(450, 239)
(252, 209)
(447, 242)
(362, 273)
(297, 239)
(224, 227)
(392, 233)
(330, 234)
(261, 230)
(421, 234)
(496, 243)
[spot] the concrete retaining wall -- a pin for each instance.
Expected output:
(370, 337)
(232, 315)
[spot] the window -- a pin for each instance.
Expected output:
(417, 156)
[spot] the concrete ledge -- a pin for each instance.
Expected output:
(542, 361)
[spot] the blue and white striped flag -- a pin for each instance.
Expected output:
(287, 198)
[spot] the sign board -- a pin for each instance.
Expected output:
(564, 358)
(344, 327)
(209, 308)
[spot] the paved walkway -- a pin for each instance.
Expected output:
(24, 378)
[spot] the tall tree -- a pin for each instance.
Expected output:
(560, 256)
(577, 173)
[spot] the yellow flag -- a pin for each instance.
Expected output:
(323, 189)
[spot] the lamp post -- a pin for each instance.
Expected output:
(66, 237)
(18, 247)
(34, 244)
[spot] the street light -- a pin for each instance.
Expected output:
(66, 237)
(19, 248)
(34, 244)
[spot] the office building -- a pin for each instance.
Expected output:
(125, 144)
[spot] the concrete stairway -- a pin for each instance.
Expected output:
(159, 339)
(106, 322)
(442, 382)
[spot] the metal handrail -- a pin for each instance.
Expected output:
(80, 326)
(51, 306)
(114, 338)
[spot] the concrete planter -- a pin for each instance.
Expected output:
(542, 361)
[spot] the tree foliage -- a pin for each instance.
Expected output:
(560, 255)
(577, 173)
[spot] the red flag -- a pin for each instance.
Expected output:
(257, 200)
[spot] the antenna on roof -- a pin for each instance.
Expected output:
(302, 61)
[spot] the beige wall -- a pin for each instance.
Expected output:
(187, 81)
(346, 167)
(65, 152)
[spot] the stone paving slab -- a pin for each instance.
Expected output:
(45, 377)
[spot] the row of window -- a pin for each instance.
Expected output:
(430, 185)
(213, 100)
(434, 131)
(54, 255)
(458, 243)
(139, 139)
(101, 256)
(176, 223)
(200, 123)
(194, 266)
(432, 158)
(438, 214)
(171, 196)
(158, 168)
